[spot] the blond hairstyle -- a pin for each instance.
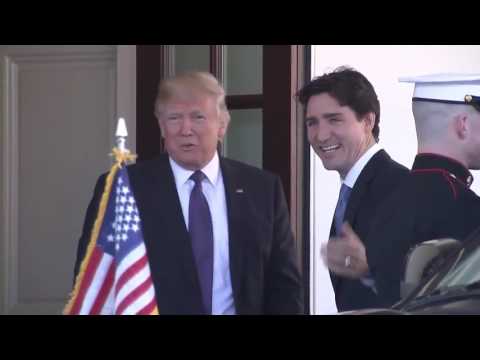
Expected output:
(188, 86)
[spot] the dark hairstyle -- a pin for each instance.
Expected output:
(350, 88)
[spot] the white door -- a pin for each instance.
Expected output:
(57, 116)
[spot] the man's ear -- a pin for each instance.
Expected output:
(161, 126)
(369, 120)
(222, 130)
(461, 125)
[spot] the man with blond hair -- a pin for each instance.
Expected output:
(217, 231)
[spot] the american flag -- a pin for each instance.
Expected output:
(115, 277)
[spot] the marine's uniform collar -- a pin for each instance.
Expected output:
(435, 162)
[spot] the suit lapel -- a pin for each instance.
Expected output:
(361, 187)
(237, 213)
(359, 190)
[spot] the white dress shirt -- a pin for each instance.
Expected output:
(357, 168)
(214, 191)
(350, 181)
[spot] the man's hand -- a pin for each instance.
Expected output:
(345, 255)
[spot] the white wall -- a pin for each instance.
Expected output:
(382, 65)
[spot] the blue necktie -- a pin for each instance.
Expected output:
(341, 207)
(345, 192)
(201, 234)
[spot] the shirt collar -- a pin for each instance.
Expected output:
(357, 168)
(182, 175)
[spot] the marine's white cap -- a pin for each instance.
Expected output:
(449, 88)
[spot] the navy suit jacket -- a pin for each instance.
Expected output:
(264, 263)
(375, 183)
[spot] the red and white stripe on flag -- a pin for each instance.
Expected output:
(123, 289)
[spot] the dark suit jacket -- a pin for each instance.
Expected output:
(434, 202)
(263, 259)
(377, 180)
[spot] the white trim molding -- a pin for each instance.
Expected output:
(9, 183)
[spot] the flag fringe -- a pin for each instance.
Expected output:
(94, 236)
(155, 311)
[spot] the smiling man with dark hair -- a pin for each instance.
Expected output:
(342, 115)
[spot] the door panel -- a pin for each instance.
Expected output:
(57, 125)
(191, 57)
(244, 137)
(244, 69)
